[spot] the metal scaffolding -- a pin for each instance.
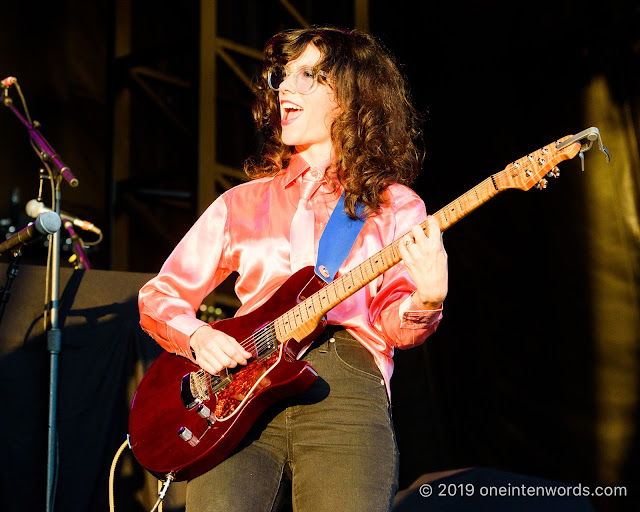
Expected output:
(194, 94)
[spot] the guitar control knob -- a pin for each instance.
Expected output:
(187, 436)
(204, 411)
(185, 433)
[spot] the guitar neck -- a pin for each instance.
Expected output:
(466, 203)
(302, 319)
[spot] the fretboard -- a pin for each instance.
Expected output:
(302, 319)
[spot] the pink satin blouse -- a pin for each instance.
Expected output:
(248, 229)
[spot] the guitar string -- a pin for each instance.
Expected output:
(265, 338)
(262, 338)
(266, 335)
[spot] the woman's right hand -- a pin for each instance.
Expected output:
(216, 350)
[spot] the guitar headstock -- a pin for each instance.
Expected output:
(533, 169)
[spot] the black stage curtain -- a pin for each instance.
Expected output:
(101, 342)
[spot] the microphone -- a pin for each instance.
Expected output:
(41, 145)
(35, 208)
(48, 154)
(47, 223)
(8, 82)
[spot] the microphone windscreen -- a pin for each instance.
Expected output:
(34, 208)
(48, 223)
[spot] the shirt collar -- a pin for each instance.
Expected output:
(298, 166)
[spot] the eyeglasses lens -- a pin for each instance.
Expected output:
(303, 79)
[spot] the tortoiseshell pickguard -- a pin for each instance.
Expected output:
(229, 398)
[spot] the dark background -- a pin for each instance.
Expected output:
(510, 379)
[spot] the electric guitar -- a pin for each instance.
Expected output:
(184, 421)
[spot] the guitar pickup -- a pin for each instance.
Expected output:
(264, 342)
(266, 351)
(217, 382)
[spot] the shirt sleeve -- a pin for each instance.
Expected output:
(393, 312)
(168, 303)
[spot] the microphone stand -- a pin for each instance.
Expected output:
(54, 336)
(54, 345)
(81, 261)
(12, 273)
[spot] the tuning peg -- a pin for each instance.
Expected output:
(541, 184)
(554, 173)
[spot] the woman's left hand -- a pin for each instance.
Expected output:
(426, 261)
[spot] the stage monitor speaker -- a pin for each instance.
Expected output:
(102, 345)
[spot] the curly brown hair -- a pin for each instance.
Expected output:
(376, 139)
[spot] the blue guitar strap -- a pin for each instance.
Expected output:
(336, 241)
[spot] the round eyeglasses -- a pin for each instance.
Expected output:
(304, 78)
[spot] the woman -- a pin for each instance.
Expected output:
(337, 119)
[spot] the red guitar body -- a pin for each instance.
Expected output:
(184, 421)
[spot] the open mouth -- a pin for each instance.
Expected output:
(289, 111)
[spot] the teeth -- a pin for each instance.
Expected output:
(290, 106)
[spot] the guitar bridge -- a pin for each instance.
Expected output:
(195, 386)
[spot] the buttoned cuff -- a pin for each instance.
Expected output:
(414, 317)
(179, 332)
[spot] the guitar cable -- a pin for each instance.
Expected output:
(112, 473)
(162, 488)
